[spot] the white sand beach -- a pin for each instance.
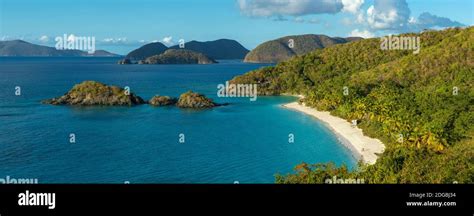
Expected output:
(363, 147)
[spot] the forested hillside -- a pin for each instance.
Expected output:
(420, 105)
(278, 50)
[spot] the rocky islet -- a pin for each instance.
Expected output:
(93, 93)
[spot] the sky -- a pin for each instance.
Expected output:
(123, 25)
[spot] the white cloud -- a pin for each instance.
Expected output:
(383, 15)
(120, 40)
(363, 34)
(307, 21)
(388, 14)
(360, 17)
(168, 40)
(314, 21)
(395, 15)
(299, 20)
(269, 8)
(279, 18)
(352, 6)
(5, 38)
(427, 20)
(44, 39)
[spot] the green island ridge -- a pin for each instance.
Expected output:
(145, 51)
(284, 48)
(23, 48)
(421, 106)
(218, 49)
(179, 56)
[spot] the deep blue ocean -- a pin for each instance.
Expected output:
(245, 141)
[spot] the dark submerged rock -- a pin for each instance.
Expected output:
(124, 61)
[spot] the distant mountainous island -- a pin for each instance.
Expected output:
(284, 48)
(179, 56)
(273, 51)
(218, 49)
(146, 51)
(23, 48)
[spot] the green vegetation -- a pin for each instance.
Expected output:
(218, 49)
(194, 100)
(92, 93)
(179, 56)
(23, 48)
(146, 51)
(406, 100)
(279, 50)
(162, 101)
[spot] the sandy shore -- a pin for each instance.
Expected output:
(362, 146)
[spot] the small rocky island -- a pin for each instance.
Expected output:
(162, 101)
(90, 93)
(179, 56)
(195, 100)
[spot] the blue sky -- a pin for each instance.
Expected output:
(122, 25)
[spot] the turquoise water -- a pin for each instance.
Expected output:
(245, 141)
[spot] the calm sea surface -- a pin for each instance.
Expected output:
(245, 141)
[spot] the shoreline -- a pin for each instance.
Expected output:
(362, 147)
